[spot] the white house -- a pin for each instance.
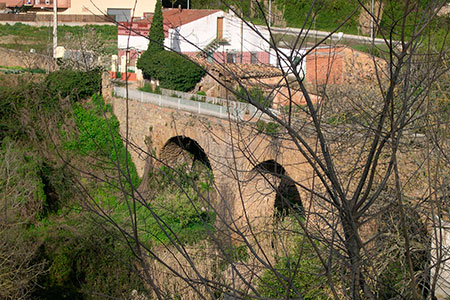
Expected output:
(223, 36)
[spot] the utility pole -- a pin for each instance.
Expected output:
(187, 4)
(371, 19)
(55, 27)
(242, 38)
(270, 12)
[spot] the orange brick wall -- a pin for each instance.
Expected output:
(325, 66)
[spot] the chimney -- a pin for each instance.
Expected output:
(179, 8)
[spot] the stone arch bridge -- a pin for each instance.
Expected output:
(251, 170)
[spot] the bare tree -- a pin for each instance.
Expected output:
(366, 223)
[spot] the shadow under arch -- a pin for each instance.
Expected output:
(180, 150)
(287, 197)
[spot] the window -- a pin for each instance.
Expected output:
(253, 58)
(120, 14)
(231, 57)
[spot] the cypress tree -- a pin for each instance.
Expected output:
(148, 61)
(156, 34)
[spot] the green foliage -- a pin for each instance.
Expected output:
(19, 70)
(10, 101)
(49, 229)
(149, 62)
(27, 31)
(26, 37)
(36, 188)
(179, 204)
(19, 169)
(84, 262)
(98, 136)
(146, 88)
(76, 85)
(156, 34)
(269, 128)
(435, 34)
(172, 70)
(254, 94)
(296, 277)
(324, 15)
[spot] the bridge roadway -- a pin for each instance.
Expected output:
(221, 136)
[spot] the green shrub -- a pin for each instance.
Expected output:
(254, 94)
(146, 88)
(22, 172)
(84, 262)
(76, 85)
(99, 136)
(173, 71)
(11, 101)
(299, 276)
(269, 128)
(179, 203)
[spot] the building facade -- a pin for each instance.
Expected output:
(215, 34)
(122, 10)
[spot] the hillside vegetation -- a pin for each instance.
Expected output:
(57, 140)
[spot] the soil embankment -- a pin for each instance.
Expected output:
(14, 58)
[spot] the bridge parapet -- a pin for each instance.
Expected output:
(213, 107)
(224, 110)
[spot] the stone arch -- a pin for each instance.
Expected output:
(180, 150)
(268, 193)
(287, 196)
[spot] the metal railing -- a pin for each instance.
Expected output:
(213, 100)
(222, 108)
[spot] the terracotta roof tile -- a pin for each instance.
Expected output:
(173, 18)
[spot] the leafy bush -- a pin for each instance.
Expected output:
(99, 136)
(173, 71)
(255, 94)
(10, 102)
(76, 85)
(146, 88)
(179, 202)
(84, 262)
(299, 276)
(45, 242)
(269, 128)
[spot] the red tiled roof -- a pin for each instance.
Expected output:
(173, 18)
